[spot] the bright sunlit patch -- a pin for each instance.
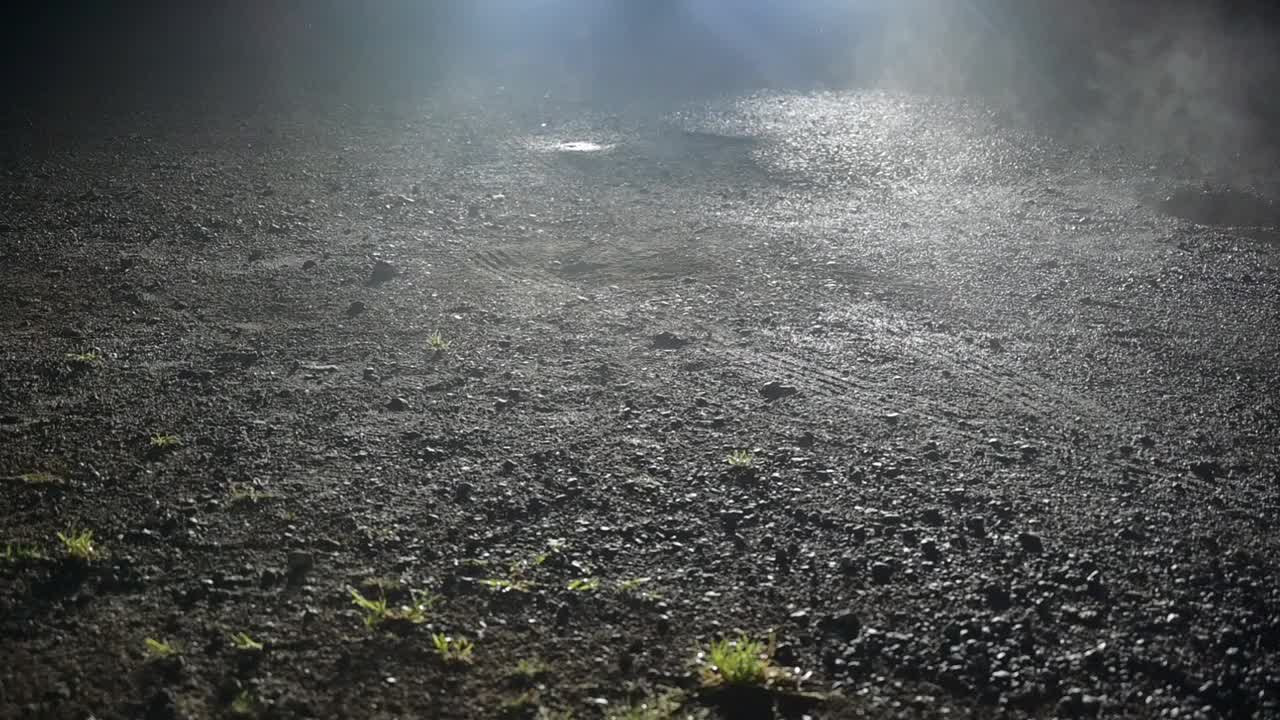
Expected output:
(581, 146)
(576, 147)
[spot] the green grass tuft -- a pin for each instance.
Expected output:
(244, 643)
(741, 460)
(377, 612)
(437, 342)
(528, 670)
(79, 545)
(165, 442)
(40, 478)
(157, 649)
(737, 663)
(18, 553)
(246, 494)
(584, 585)
(244, 705)
(633, 585)
(453, 651)
(84, 359)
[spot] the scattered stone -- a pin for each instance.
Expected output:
(1091, 705)
(163, 705)
(433, 454)
(1206, 470)
(370, 374)
(998, 598)
(563, 614)
(774, 390)
(1071, 705)
(845, 624)
(382, 272)
(1030, 542)
(929, 549)
(730, 519)
(397, 404)
(200, 232)
(976, 525)
(300, 563)
(782, 560)
(668, 341)
(228, 582)
(355, 308)
(881, 573)
(850, 564)
(785, 655)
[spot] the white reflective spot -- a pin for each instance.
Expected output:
(582, 146)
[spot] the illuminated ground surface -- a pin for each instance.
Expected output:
(1013, 424)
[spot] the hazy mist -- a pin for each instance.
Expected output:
(1165, 76)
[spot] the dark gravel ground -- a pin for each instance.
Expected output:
(1008, 405)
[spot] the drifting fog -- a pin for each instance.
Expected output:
(1165, 76)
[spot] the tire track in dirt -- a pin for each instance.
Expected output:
(819, 378)
(996, 390)
(1020, 390)
(996, 387)
(822, 381)
(946, 420)
(825, 382)
(498, 263)
(914, 344)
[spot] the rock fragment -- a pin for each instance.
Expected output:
(976, 525)
(845, 624)
(669, 341)
(382, 272)
(299, 564)
(881, 573)
(774, 390)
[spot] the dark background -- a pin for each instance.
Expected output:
(1167, 65)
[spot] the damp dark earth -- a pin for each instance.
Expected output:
(856, 404)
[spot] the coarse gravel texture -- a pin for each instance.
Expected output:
(1007, 404)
